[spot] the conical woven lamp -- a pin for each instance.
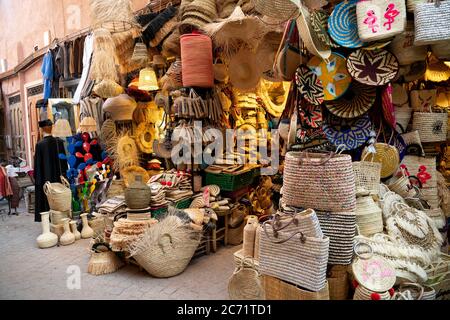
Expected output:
(148, 80)
(62, 129)
(88, 124)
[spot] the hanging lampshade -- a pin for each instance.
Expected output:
(88, 124)
(62, 129)
(148, 80)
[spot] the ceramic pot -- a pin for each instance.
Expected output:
(67, 237)
(73, 226)
(87, 232)
(47, 239)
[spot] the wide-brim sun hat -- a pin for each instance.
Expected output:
(244, 71)
(343, 26)
(358, 99)
(266, 54)
(374, 68)
(120, 108)
(279, 9)
(334, 75)
(309, 37)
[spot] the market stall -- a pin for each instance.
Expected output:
(314, 133)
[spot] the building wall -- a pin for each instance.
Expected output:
(23, 24)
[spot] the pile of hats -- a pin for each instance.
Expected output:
(197, 13)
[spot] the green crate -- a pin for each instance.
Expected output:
(231, 182)
(183, 204)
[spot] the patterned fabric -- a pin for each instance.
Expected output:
(343, 26)
(334, 75)
(374, 68)
(348, 133)
(355, 102)
(309, 85)
(388, 106)
(319, 23)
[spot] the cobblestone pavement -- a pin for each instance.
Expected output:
(27, 272)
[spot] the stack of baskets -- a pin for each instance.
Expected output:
(369, 217)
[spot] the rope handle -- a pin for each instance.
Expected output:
(46, 187)
(160, 241)
(412, 284)
(243, 266)
(65, 182)
(366, 255)
(265, 224)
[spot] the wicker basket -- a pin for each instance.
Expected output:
(292, 257)
(138, 195)
(245, 283)
(59, 195)
(367, 176)
(239, 256)
(56, 217)
(432, 21)
(369, 217)
(325, 182)
(338, 282)
(423, 100)
(236, 235)
(362, 293)
(277, 289)
(432, 127)
(388, 156)
(402, 187)
(117, 188)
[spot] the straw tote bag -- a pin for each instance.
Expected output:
(293, 257)
(367, 176)
(245, 283)
(432, 126)
(379, 19)
(277, 289)
(340, 227)
(290, 219)
(423, 100)
(432, 21)
(324, 181)
(59, 195)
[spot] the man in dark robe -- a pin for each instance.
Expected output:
(47, 166)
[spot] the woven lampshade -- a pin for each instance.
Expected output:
(148, 80)
(88, 124)
(62, 129)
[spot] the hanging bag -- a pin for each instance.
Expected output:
(59, 195)
(432, 21)
(380, 19)
(289, 56)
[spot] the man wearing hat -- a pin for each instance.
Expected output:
(47, 165)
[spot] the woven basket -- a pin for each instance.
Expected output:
(403, 115)
(117, 188)
(413, 165)
(432, 21)
(278, 9)
(239, 257)
(367, 176)
(362, 293)
(432, 127)
(411, 4)
(369, 217)
(59, 195)
(325, 182)
(197, 61)
(277, 289)
(423, 100)
(56, 217)
(388, 156)
(402, 187)
(402, 46)
(292, 257)
(338, 282)
(379, 9)
(306, 221)
(245, 283)
(236, 235)
(340, 228)
(138, 195)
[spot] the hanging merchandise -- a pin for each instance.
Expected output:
(148, 80)
(387, 155)
(145, 135)
(402, 46)
(369, 216)
(374, 68)
(343, 25)
(266, 55)
(88, 124)
(126, 152)
(380, 20)
(291, 256)
(328, 176)
(120, 108)
(441, 50)
(197, 61)
(289, 56)
(423, 100)
(388, 106)
(413, 143)
(334, 75)
(103, 60)
(62, 129)
(140, 55)
(107, 89)
(355, 102)
(278, 9)
(348, 133)
(432, 126)
(309, 86)
(309, 37)
(198, 13)
(402, 109)
(243, 71)
(432, 21)
(319, 23)
(437, 70)
(367, 176)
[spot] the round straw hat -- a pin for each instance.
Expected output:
(243, 70)
(358, 99)
(266, 54)
(279, 9)
(309, 37)
(121, 107)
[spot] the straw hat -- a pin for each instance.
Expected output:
(121, 107)
(244, 71)
(88, 124)
(309, 37)
(280, 9)
(62, 129)
(145, 135)
(107, 89)
(198, 13)
(236, 29)
(164, 32)
(437, 70)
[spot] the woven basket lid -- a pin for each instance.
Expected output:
(358, 99)
(334, 75)
(373, 272)
(343, 26)
(309, 85)
(374, 68)
(348, 133)
(319, 23)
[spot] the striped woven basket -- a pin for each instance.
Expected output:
(340, 228)
(369, 216)
(292, 257)
(325, 182)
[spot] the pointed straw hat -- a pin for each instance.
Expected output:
(244, 71)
